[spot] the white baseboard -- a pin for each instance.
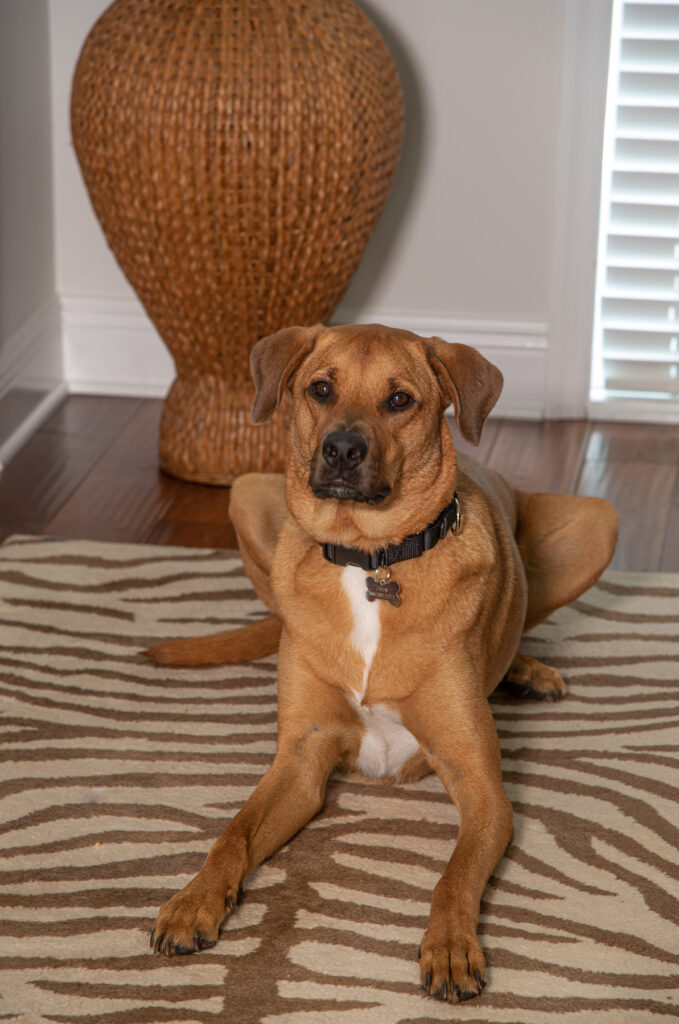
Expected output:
(634, 410)
(33, 352)
(111, 347)
(31, 377)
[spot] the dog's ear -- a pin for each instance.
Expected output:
(273, 362)
(467, 380)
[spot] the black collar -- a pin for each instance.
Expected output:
(411, 547)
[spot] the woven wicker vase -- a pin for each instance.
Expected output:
(237, 154)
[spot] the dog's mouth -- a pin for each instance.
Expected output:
(343, 491)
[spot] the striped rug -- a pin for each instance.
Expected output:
(116, 775)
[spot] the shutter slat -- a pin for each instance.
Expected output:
(641, 264)
(646, 155)
(644, 251)
(646, 218)
(636, 376)
(631, 232)
(652, 90)
(640, 187)
(657, 347)
(649, 283)
(654, 122)
(646, 56)
(638, 327)
(650, 21)
(631, 308)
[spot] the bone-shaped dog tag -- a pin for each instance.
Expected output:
(386, 590)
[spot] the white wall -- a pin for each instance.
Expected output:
(471, 214)
(26, 256)
(471, 243)
(30, 343)
(85, 265)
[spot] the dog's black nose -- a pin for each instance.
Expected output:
(344, 450)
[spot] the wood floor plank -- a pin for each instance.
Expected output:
(670, 555)
(193, 535)
(481, 451)
(197, 516)
(92, 416)
(635, 467)
(54, 462)
(125, 494)
(540, 456)
(113, 505)
(199, 503)
(641, 493)
(640, 442)
(136, 445)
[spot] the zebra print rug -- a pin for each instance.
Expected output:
(116, 776)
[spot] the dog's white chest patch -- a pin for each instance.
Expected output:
(365, 636)
(386, 744)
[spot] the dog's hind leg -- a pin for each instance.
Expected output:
(565, 542)
(528, 677)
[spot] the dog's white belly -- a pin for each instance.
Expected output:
(386, 744)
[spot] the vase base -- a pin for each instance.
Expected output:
(207, 436)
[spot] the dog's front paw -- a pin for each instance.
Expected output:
(452, 965)
(191, 920)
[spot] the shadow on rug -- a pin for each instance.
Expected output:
(117, 775)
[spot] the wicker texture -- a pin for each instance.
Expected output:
(238, 154)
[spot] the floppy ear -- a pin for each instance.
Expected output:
(467, 380)
(273, 362)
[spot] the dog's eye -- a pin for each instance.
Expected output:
(400, 400)
(321, 390)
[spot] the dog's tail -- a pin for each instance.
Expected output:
(255, 640)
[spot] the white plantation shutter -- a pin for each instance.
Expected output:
(636, 334)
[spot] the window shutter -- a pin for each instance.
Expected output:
(636, 332)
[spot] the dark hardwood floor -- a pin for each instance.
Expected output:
(92, 472)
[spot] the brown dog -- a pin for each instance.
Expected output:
(403, 577)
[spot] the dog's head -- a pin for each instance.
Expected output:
(370, 455)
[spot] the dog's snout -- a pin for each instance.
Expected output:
(344, 450)
(346, 466)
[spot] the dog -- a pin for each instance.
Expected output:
(400, 577)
